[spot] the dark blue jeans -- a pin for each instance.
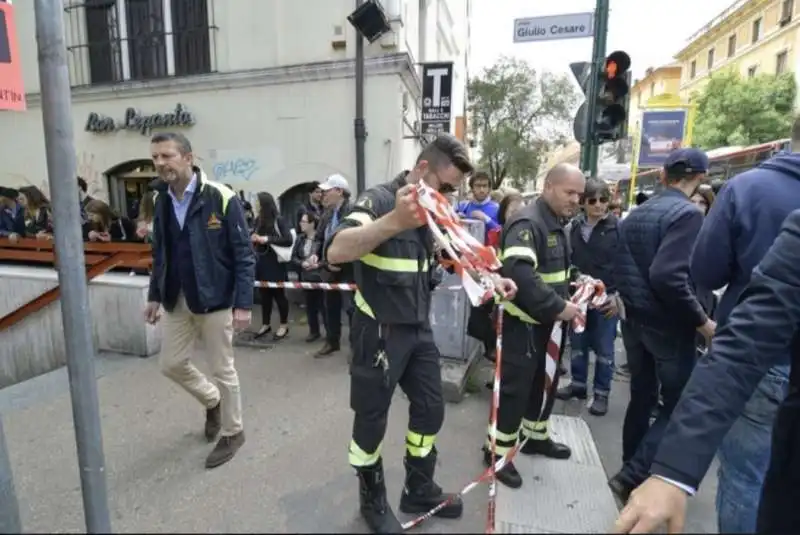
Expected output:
(599, 337)
(656, 357)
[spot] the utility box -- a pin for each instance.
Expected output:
(450, 310)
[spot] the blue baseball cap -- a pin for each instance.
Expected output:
(688, 161)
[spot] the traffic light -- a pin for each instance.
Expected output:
(613, 97)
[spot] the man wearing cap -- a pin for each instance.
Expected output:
(662, 310)
(12, 216)
(336, 202)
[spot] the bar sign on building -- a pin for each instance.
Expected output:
(437, 95)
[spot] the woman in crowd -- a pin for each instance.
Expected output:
(309, 272)
(614, 207)
(270, 230)
(104, 225)
(144, 223)
(37, 212)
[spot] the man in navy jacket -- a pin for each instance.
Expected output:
(203, 276)
(741, 226)
(662, 311)
(760, 332)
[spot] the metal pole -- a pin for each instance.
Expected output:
(77, 321)
(359, 126)
(589, 150)
(9, 506)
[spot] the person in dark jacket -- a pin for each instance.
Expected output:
(741, 226)
(760, 331)
(203, 277)
(269, 229)
(312, 206)
(38, 220)
(662, 311)
(336, 198)
(104, 225)
(594, 238)
(12, 214)
(309, 272)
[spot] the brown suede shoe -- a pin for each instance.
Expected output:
(225, 449)
(213, 422)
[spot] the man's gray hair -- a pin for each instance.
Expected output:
(184, 146)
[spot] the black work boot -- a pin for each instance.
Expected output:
(571, 391)
(546, 447)
(372, 498)
(213, 422)
(507, 475)
(421, 493)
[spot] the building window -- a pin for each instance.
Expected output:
(731, 45)
(787, 8)
(710, 59)
(756, 31)
(119, 40)
(781, 62)
(752, 71)
(692, 69)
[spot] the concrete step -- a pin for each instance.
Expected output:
(559, 496)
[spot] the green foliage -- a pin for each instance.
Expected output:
(736, 111)
(517, 114)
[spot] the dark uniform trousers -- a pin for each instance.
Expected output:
(523, 375)
(412, 361)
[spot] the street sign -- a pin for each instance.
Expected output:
(437, 94)
(581, 71)
(571, 26)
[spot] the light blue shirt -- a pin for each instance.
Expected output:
(181, 207)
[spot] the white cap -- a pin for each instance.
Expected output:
(335, 181)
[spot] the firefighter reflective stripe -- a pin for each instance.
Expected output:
(398, 265)
(362, 305)
(419, 445)
(505, 441)
(225, 192)
(535, 430)
(555, 277)
(517, 312)
(359, 457)
(519, 251)
(359, 217)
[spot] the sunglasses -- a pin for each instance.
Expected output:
(593, 201)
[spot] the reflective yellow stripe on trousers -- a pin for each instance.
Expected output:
(419, 445)
(359, 457)
(384, 263)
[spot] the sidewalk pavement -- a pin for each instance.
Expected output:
(290, 476)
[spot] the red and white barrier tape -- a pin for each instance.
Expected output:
(329, 286)
(587, 291)
(490, 517)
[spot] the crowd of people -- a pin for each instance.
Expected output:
(707, 376)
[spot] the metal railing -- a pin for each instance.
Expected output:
(115, 41)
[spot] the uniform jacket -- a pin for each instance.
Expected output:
(652, 263)
(223, 258)
(394, 280)
(761, 330)
(535, 250)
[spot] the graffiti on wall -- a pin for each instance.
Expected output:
(235, 169)
(91, 171)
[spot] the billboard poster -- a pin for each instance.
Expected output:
(12, 92)
(437, 94)
(661, 133)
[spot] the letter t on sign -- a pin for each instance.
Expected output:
(437, 74)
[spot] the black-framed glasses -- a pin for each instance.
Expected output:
(594, 200)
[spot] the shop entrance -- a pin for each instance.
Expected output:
(129, 182)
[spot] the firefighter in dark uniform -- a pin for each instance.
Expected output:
(393, 256)
(535, 252)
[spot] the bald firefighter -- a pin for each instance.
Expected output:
(536, 256)
(393, 257)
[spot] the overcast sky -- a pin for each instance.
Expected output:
(651, 34)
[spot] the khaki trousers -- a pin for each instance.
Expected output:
(179, 331)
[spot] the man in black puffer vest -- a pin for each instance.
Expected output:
(662, 311)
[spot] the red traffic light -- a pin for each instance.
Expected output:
(617, 63)
(611, 70)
